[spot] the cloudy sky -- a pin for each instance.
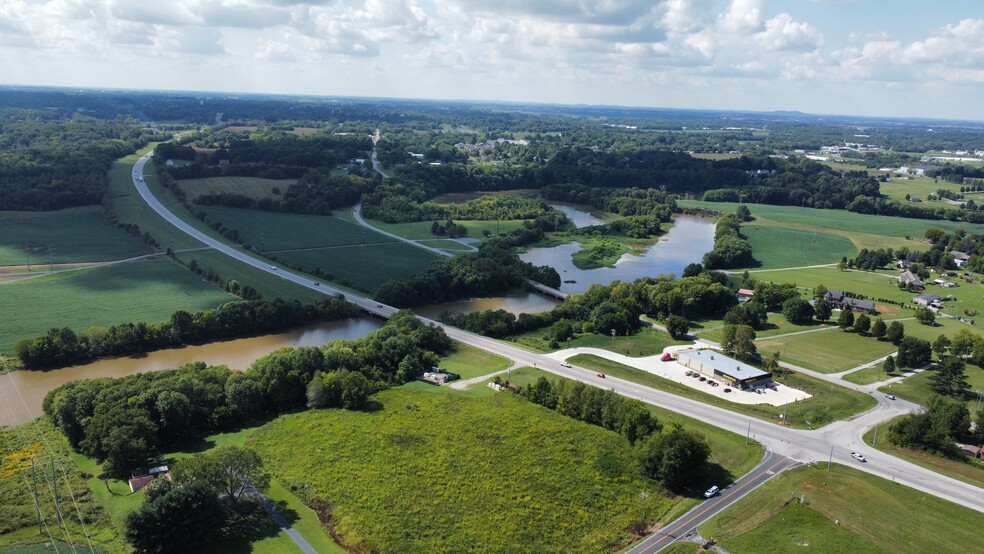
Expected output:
(858, 57)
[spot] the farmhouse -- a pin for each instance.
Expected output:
(714, 364)
(959, 257)
(839, 300)
(903, 264)
(910, 279)
(929, 300)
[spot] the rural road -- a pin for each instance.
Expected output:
(835, 441)
(684, 525)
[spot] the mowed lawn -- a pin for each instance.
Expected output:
(919, 187)
(828, 351)
(421, 230)
(73, 235)
(362, 267)
(775, 247)
(253, 187)
(876, 514)
(103, 296)
(447, 473)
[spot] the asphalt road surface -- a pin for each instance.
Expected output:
(835, 441)
(683, 526)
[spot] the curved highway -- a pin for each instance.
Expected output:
(835, 441)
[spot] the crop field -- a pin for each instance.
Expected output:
(362, 267)
(103, 296)
(253, 187)
(826, 351)
(426, 473)
(843, 510)
(421, 230)
(74, 235)
(274, 231)
(827, 404)
(775, 247)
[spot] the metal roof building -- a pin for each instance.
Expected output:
(715, 364)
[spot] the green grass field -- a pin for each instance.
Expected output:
(74, 235)
(827, 351)
(470, 362)
(775, 247)
(18, 524)
(828, 403)
(876, 514)
(919, 187)
(916, 387)
(102, 296)
(423, 473)
(421, 230)
(253, 187)
(646, 342)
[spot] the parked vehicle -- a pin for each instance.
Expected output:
(713, 491)
(666, 357)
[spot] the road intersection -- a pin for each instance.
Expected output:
(833, 442)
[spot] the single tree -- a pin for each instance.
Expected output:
(677, 326)
(925, 316)
(878, 328)
(889, 365)
(895, 332)
(950, 378)
(846, 319)
(797, 311)
(230, 470)
(941, 345)
(744, 343)
(181, 519)
(862, 324)
(820, 291)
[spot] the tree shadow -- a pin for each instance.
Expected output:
(243, 529)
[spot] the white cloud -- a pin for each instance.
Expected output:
(782, 32)
(744, 16)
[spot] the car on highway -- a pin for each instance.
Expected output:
(859, 457)
(273, 267)
(565, 364)
(713, 491)
(602, 375)
(890, 396)
(317, 284)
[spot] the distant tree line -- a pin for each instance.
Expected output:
(62, 346)
(402, 203)
(124, 422)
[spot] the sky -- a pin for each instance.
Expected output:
(894, 58)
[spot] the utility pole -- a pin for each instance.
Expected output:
(54, 488)
(874, 440)
(831, 458)
(748, 435)
(613, 337)
(37, 506)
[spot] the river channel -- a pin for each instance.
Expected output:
(22, 392)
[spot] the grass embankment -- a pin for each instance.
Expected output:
(73, 235)
(421, 230)
(968, 470)
(252, 187)
(844, 510)
(18, 518)
(470, 362)
(646, 342)
(348, 253)
(423, 473)
(102, 296)
(828, 403)
(776, 247)
(916, 388)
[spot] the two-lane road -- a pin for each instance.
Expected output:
(833, 442)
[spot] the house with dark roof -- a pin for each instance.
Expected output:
(959, 257)
(841, 301)
(929, 300)
(910, 279)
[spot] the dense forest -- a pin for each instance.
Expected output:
(51, 160)
(125, 421)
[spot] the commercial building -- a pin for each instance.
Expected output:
(717, 365)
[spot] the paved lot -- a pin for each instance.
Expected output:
(677, 372)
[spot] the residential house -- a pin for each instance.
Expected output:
(138, 483)
(903, 264)
(910, 279)
(959, 258)
(839, 300)
(933, 300)
(745, 295)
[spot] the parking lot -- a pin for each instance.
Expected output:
(777, 396)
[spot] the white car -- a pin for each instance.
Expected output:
(858, 457)
(712, 491)
(890, 396)
(565, 364)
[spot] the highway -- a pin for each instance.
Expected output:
(835, 441)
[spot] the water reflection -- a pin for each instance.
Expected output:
(684, 244)
(22, 392)
(579, 217)
(526, 302)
